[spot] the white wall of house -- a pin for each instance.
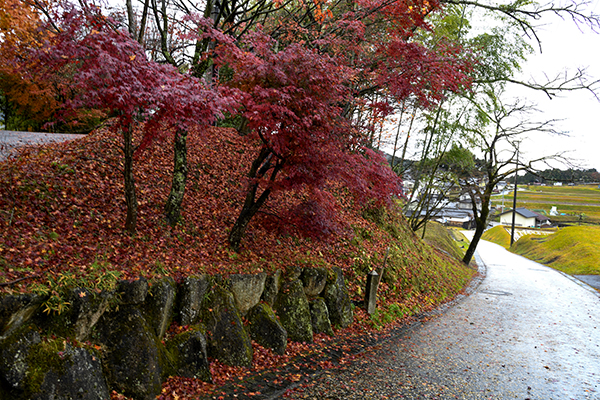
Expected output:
(506, 219)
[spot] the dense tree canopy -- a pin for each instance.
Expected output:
(314, 82)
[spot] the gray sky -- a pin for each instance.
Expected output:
(567, 47)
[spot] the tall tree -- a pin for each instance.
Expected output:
(509, 124)
(27, 103)
(110, 71)
(291, 107)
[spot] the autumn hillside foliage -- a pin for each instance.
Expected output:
(62, 207)
(61, 224)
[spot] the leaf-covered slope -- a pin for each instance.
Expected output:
(62, 210)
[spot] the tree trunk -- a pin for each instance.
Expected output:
(162, 24)
(480, 222)
(238, 231)
(251, 207)
(180, 169)
(131, 19)
(144, 18)
(474, 242)
(260, 166)
(129, 180)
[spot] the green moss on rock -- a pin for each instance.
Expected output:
(293, 310)
(159, 305)
(61, 371)
(337, 299)
(135, 360)
(227, 339)
(265, 328)
(320, 317)
(190, 355)
(14, 356)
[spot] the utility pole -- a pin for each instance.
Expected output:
(514, 215)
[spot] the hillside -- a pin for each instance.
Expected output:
(62, 212)
(498, 235)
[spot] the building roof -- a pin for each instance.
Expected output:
(525, 213)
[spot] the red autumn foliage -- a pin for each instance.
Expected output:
(61, 210)
(110, 71)
(291, 103)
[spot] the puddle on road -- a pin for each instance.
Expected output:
(496, 292)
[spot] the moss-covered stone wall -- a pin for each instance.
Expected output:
(117, 340)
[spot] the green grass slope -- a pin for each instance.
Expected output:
(498, 235)
(573, 250)
(445, 240)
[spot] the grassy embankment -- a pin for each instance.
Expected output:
(574, 250)
(62, 211)
(498, 235)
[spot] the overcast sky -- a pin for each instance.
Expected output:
(567, 47)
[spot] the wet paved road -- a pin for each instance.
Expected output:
(527, 332)
(10, 140)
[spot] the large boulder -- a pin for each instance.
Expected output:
(49, 369)
(134, 291)
(160, 305)
(320, 317)
(73, 373)
(135, 359)
(293, 310)
(227, 339)
(14, 353)
(272, 286)
(86, 309)
(189, 354)
(337, 299)
(16, 310)
(265, 328)
(313, 280)
(190, 296)
(247, 290)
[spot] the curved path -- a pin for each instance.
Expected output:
(10, 140)
(527, 332)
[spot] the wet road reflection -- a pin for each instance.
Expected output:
(527, 332)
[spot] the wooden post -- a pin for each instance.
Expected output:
(373, 280)
(371, 292)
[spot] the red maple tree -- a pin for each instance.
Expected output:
(291, 103)
(110, 71)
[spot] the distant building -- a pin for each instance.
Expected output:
(524, 218)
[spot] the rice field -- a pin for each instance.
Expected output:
(575, 204)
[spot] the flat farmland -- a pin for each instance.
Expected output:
(575, 204)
